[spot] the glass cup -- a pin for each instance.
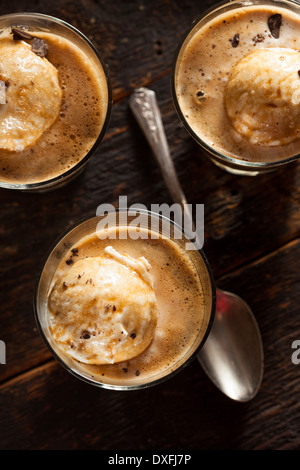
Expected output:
(43, 23)
(226, 161)
(165, 228)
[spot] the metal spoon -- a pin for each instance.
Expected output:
(232, 355)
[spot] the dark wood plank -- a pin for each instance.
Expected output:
(47, 408)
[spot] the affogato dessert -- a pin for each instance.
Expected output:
(126, 312)
(237, 81)
(54, 105)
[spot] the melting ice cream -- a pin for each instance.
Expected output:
(263, 96)
(103, 309)
(33, 95)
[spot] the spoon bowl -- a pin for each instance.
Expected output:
(232, 355)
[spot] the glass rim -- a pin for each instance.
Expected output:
(235, 161)
(52, 182)
(110, 386)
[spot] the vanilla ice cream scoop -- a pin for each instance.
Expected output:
(262, 96)
(103, 310)
(33, 95)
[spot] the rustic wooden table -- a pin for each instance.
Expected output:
(252, 239)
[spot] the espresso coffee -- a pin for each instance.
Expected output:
(237, 82)
(40, 145)
(181, 321)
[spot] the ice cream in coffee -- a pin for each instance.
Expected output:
(238, 82)
(126, 310)
(104, 308)
(53, 105)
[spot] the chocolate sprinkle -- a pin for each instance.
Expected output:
(258, 38)
(274, 23)
(39, 47)
(20, 34)
(200, 97)
(133, 335)
(235, 40)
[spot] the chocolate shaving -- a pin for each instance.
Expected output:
(20, 34)
(235, 40)
(39, 47)
(274, 23)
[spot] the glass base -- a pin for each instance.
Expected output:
(57, 185)
(234, 171)
(240, 171)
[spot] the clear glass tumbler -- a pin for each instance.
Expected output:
(89, 227)
(36, 22)
(235, 164)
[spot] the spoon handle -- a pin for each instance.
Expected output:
(216, 358)
(144, 106)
